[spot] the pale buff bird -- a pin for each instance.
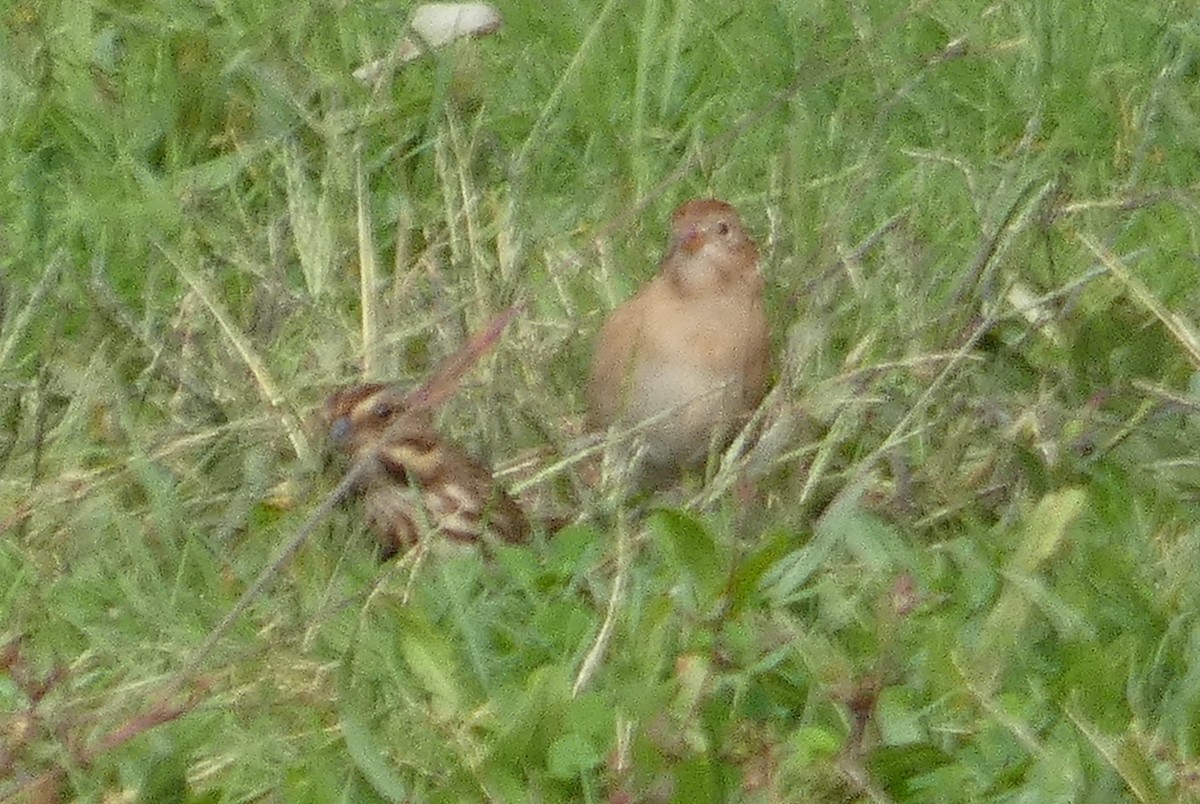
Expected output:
(692, 344)
(419, 482)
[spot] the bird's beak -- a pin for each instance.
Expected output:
(339, 431)
(689, 240)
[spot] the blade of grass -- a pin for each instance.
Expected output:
(368, 276)
(1182, 330)
(1129, 760)
(241, 344)
(21, 321)
(536, 131)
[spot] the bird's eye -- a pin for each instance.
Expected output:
(722, 228)
(382, 410)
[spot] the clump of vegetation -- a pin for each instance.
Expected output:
(969, 570)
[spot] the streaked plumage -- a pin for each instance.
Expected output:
(420, 482)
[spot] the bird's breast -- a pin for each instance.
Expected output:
(716, 336)
(694, 368)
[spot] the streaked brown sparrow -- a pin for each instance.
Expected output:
(417, 482)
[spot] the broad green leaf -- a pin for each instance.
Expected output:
(693, 549)
(1127, 755)
(431, 659)
(899, 717)
(531, 719)
(875, 544)
(431, 662)
(788, 577)
(894, 766)
(1070, 623)
(369, 756)
(1044, 532)
(166, 780)
(590, 715)
(748, 574)
(216, 173)
(567, 550)
(1046, 527)
(840, 520)
(809, 744)
(698, 780)
(571, 755)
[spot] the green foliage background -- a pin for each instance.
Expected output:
(970, 575)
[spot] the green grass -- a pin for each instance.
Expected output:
(973, 575)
